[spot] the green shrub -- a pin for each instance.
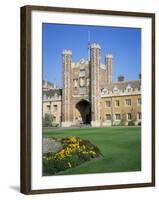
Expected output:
(47, 120)
(74, 160)
(139, 123)
(85, 157)
(49, 167)
(123, 119)
(55, 124)
(74, 152)
(131, 123)
(122, 123)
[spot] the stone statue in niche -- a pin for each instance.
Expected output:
(75, 83)
(82, 82)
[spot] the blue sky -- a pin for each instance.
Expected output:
(123, 43)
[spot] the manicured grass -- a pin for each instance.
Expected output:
(120, 146)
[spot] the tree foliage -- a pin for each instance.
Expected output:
(47, 120)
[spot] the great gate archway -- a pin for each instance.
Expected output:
(84, 108)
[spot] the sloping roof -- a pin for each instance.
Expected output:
(53, 92)
(122, 85)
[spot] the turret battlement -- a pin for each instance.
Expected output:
(67, 51)
(95, 45)
(109, 55)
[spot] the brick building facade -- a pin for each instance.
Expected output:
(89, 96)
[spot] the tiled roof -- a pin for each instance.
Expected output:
(53, 92)
(122, 85)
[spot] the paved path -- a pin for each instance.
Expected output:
(51, 145)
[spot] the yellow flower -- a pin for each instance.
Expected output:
(69, 165)
(93, 153)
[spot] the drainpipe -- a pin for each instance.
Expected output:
(111, 112)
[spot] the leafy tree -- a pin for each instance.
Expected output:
(134, 116)
(123, 119)
(47, 120)
(131, 123)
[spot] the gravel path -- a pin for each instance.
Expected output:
(51, 145)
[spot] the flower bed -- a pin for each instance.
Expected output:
(75, 151)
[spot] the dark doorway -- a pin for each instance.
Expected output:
(84, 108)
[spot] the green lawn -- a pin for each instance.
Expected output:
(120, 146)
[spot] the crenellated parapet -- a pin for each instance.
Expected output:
(66, 51)
(109, 56)
(95, 45)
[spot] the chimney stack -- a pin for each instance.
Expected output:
(121, 78)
